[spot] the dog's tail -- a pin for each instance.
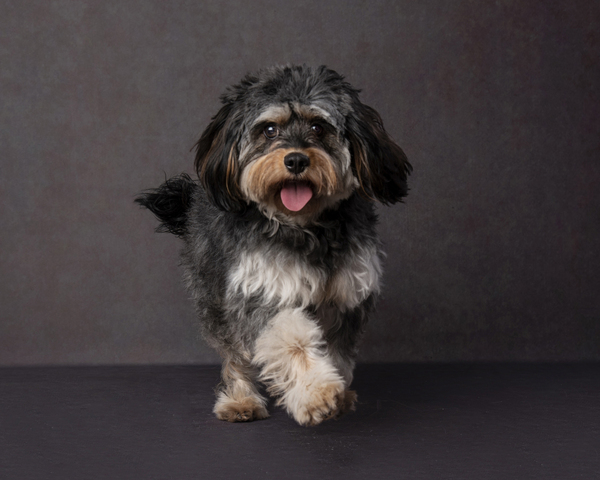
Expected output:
(170, 203)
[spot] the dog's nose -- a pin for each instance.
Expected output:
(296, 162)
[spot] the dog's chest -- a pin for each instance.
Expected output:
(285, 279)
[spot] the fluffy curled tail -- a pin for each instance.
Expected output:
(170, 203)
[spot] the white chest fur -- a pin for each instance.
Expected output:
(289, 281)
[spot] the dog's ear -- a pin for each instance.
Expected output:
(380, 165)
(217, 159)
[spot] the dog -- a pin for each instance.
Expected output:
(281, 254)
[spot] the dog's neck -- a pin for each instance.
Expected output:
(326, 235)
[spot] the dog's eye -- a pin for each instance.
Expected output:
(317, 129)
(271, 131)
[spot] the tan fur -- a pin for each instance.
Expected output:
(294, 364)
(363, 172)
(238, 400)
(245, 409)
(230, 176)
(281, 296)
(263, 179)
(299, 357)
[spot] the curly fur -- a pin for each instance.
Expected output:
(284, 295)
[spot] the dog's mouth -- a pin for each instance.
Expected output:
(295, 195)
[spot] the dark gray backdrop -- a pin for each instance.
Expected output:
(494, 255)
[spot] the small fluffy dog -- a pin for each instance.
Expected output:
(280, 251)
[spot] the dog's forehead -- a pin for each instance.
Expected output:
(276, 113)
(281, 113)
(275, 94)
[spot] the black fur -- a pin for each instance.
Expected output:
(379, 163)
(170, 203)
(224, 231)
(216, 153)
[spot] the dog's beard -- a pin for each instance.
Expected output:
(268, 182)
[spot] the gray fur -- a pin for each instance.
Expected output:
(304, 262)
(215, 240)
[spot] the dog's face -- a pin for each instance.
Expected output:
(295, 161)
(296, 141)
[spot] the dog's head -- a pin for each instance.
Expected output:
(296, 141)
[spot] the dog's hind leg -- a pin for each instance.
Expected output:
(344, 365)
(343, 337)
(295, 366)
(238, 399)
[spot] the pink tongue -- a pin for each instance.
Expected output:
(295, 195)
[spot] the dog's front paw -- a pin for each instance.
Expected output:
(243, 410)
(312, 403)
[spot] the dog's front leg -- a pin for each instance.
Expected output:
(292, 355)
(237, 397)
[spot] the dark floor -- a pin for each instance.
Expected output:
(491, 421)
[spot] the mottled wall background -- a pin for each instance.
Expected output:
(494, 255)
